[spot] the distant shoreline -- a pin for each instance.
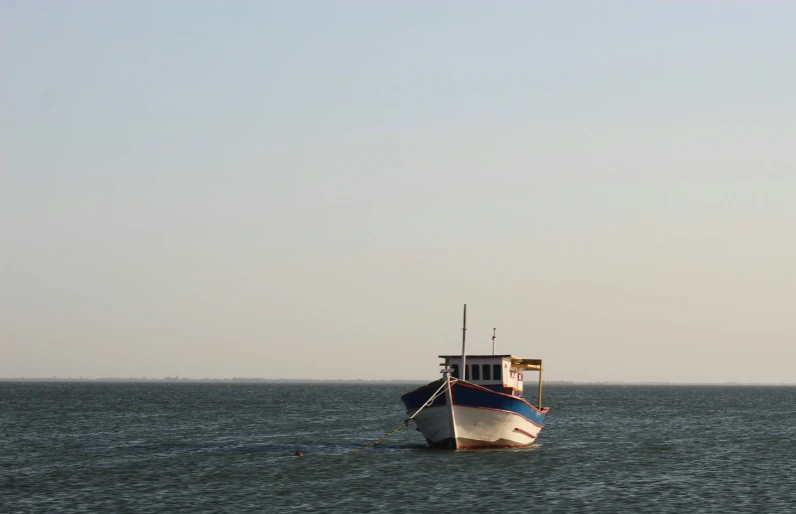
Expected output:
(177, 380)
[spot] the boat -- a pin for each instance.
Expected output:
(486, 408)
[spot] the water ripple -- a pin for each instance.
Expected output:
(208, 448)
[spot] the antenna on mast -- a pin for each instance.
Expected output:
(493, 340)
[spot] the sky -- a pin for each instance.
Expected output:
(314, 189)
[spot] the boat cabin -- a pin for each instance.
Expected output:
(501, 373)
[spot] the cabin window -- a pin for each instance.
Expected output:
(497, 372)
(476, 372)
(486, 371)
(467, 372)
(455, 370)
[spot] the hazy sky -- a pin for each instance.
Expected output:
(313, 189)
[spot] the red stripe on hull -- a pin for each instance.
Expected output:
(483, 445)
(526, 433)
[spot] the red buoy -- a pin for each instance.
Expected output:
(298, 454)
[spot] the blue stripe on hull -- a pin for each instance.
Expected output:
(498, 388)
(474, 396)
(415, 399)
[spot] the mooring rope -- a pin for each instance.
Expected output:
(405, 422)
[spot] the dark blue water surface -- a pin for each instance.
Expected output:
(159, 447)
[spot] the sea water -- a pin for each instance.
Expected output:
(216, 447)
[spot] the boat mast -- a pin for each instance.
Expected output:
(493, 341)
(463, 372)
(539, 397)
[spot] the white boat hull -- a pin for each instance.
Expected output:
(475, 427)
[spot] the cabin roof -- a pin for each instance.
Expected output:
(458, 355)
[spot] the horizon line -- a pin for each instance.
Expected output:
(251, 380)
